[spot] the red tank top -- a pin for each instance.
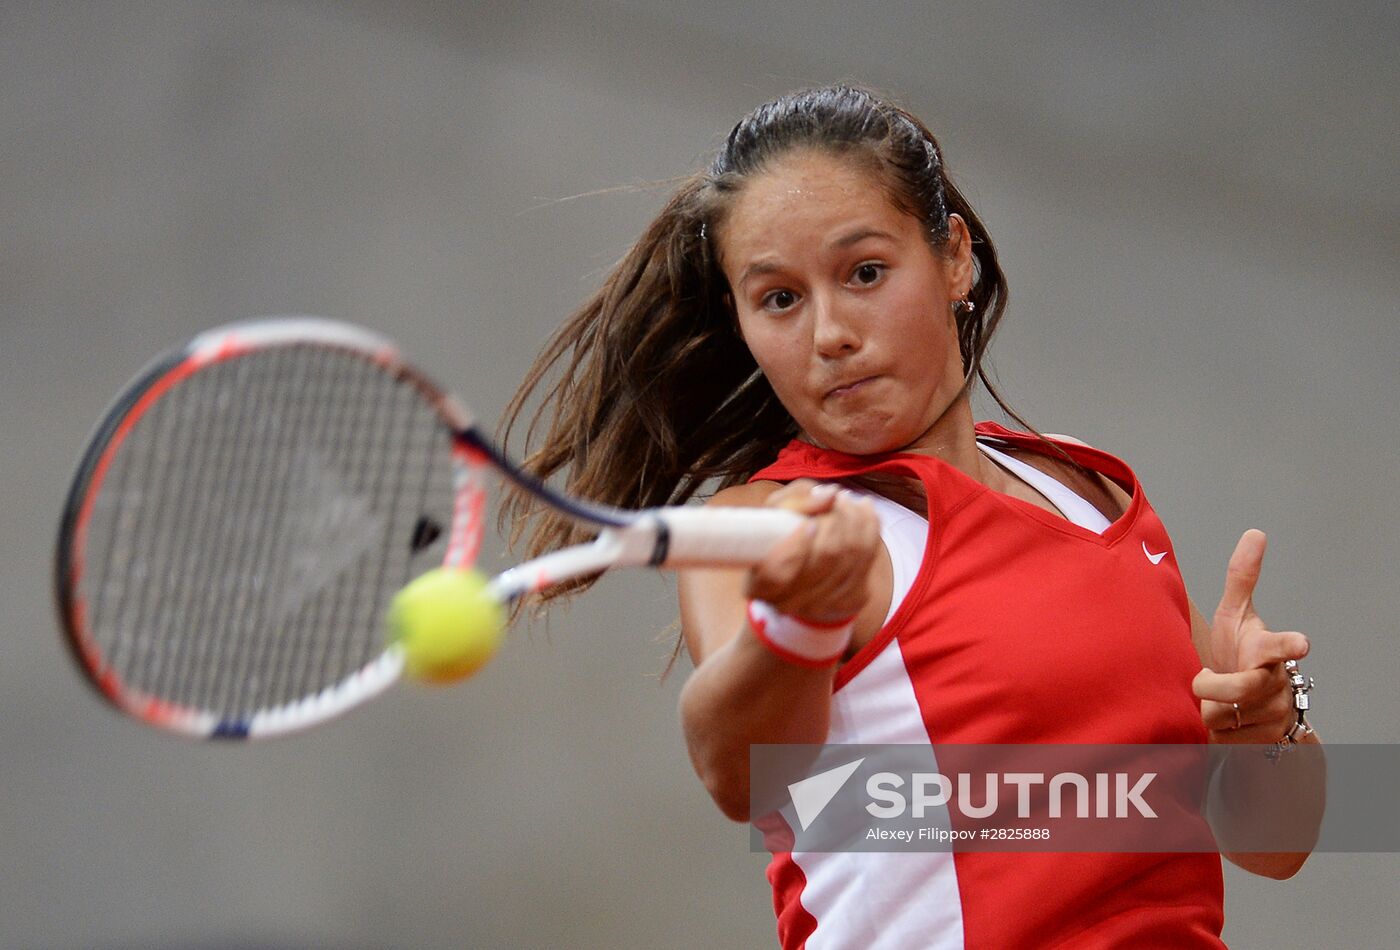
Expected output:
(1020, 627)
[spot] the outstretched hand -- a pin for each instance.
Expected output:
(1244, 692)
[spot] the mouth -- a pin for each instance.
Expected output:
(846, 389)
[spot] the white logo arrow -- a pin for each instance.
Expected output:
(813, 794)
(1154, 558)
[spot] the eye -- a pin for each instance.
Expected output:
(868, 273)
(777, 301)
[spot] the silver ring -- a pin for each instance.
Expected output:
(1238, 721)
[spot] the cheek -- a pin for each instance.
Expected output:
(936, 326)
(781, 361)
(766, 343)
(950, 334)
(782, 372)
(752, 337)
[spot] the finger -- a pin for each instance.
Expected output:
(776, 574)
(1242, 574)
(839, 559)
(1275, 711)
(1246, 686)
(1219, 717)
(1265, 721)
(805, 496)
(864, 546)
(843, 551)
(1271, 647)
(822, 571)
(1264, 733)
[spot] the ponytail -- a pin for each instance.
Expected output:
(654, 392)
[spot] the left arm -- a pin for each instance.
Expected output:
(1242, 663)
(1246, 698)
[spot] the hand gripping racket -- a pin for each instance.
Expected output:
(249, 505)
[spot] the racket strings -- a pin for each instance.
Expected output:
(151, 653)
(136, 516)
(334, 635)
(227, 479)
(254, 522)
(315, 534)
(201, 452)
(269, 546)
(392, 422)
(230, 526)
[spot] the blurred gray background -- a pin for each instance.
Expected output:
(1197, 207)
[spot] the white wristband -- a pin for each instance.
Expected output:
(803, 642)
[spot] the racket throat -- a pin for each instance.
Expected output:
(645, 542)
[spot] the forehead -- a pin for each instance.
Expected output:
(804, 199)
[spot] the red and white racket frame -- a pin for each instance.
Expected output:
(659, 537)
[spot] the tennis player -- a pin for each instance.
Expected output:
(801, 326)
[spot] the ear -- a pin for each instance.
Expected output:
(958, 253)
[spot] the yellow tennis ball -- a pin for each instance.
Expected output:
(448, 624)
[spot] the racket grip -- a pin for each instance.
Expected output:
(717, 537)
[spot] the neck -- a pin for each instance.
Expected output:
(953, 438)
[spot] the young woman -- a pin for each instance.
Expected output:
(808, 313)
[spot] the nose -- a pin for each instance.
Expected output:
(835, 328)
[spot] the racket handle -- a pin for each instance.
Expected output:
(717, 537)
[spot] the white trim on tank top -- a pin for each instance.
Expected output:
(905, 532)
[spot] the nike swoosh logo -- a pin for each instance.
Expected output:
(1154, 558)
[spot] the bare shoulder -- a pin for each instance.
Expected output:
(1116, 491)
(712, 599)
(1104, 493)
(749, 495)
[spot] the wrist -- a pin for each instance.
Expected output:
(816, 644)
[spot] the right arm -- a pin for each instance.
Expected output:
(741, 693)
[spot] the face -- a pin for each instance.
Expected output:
(844, 304)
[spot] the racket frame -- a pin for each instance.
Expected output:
(669, 537)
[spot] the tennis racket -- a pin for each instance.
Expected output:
(251, 502)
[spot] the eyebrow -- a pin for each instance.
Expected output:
(841, 243)
(755, 270)
(855, 237)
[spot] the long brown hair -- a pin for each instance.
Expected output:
(656, 394)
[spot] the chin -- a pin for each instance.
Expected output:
(862, 443)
